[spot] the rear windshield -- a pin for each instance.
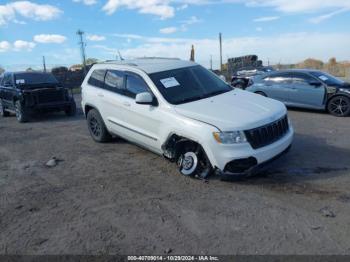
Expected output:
(34, 79)
(188, 84)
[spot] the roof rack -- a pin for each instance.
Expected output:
(156, 57)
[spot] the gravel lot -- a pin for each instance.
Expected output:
(119, 199)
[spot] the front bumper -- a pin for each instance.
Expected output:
(253, 170)
(242, 159)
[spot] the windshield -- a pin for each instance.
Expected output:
(327, 78)
(188, 84)
(34, 79)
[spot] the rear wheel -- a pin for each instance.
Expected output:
(96, 127)
(3, 112)
(21, 114)
(261, 93)
(193, 161)
(339, 106)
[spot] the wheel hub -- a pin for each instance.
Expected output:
(188, 163)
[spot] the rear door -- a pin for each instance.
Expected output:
(302, 93)
(276, 86)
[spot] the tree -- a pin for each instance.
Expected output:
(91, 61)
(312, 64)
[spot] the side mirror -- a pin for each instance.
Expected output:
(315, 83)
(145, 98)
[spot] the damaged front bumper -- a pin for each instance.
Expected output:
(248, 167)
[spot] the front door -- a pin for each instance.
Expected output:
(302, 93)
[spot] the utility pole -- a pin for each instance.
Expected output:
(220, 40)
(211, 62)
(44, 64)
(82, 49)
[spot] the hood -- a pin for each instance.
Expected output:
(235, 110)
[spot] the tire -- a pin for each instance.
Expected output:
(97, 127)
(339, 106)
(193, 162)
(3, 112)
(21, 114)
(261, 93)
(72, 110)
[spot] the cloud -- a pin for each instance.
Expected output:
(266, 19)
(160, 8)
(168, 30)
(27, 9)
(287, 48)
(21, 45)
(86, 2)
(321, 18)
(4, 46)
(299, 6)
(46, 39)
(95, 38)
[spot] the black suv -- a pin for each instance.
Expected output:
(28, 92)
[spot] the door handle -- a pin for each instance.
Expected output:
(126, 104)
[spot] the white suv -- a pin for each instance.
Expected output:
(186, 113)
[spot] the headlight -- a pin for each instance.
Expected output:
(235, 137)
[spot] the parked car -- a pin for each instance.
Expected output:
(186, 113)
(28, 92)
(242, 78)
(304, 88)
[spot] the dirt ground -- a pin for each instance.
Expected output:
(117, 198)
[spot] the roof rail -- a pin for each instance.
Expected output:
(155, 57)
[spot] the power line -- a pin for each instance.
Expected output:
(82, 49)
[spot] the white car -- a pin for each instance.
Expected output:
(186, 113)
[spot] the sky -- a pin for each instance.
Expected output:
(278, 31)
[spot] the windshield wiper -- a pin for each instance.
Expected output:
(191, 99)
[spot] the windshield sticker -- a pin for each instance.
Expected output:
(323, 78)
(169, 82)
(20, 81)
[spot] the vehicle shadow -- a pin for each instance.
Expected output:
(310, 158)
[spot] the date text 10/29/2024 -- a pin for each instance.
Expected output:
(173, 258)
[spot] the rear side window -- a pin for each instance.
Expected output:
(97, 78)
(8, 80)
(135, 85)
(279, 78)
(114, 81)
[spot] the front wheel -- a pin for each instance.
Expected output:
(97, 128)
(339, 106)
(3, 112)
(21, 113)
(194, 162)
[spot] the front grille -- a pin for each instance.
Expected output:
(268, 134)
(49, 96)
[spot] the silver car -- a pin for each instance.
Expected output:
(303, 88)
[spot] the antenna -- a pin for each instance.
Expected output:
(82, 49)
(120, 56)
(44, 64)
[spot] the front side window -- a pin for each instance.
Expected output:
(302, 79)
(114, 81)
(135, 85)
(188, 84)
(97, 78)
